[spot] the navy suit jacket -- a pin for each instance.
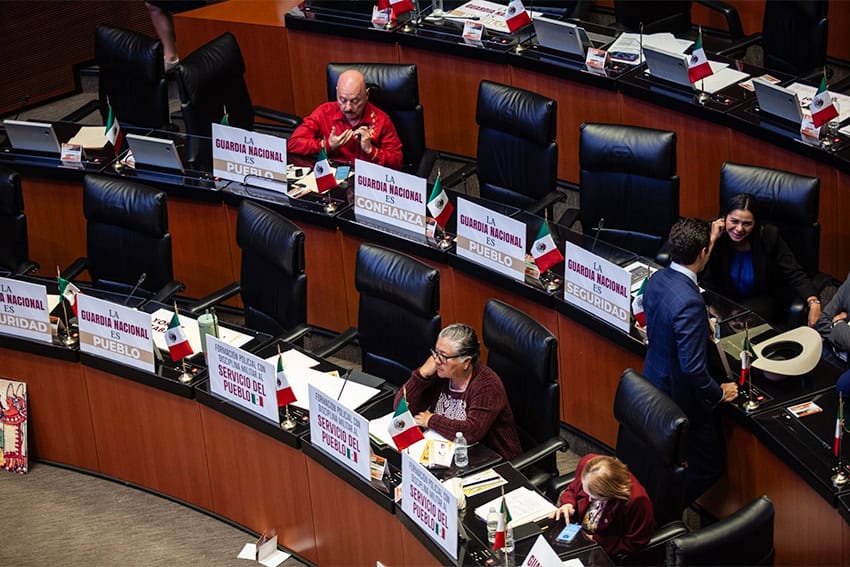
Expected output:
(678, 333)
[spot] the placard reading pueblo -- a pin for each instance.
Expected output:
(239, 153)
(115, 332)
(389, 196)
(491, 239)
(23, 310)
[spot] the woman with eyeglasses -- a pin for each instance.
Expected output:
(452, 391)
(752, 265)
(611, 505)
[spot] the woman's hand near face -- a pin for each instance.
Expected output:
(428, 368)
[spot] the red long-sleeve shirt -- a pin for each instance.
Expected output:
(307, 138)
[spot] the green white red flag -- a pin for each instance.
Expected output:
(637, 304)
(400, 7)
(698, 65)
(175, 338)
(822, 108)
(403, 428)
(747, 358)
(544, 251)
(69, 292)
(502, 525)
(113, 131)
(325, 179)
(439, 205)
(516, 17)
(285, 395)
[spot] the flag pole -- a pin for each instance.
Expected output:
(185, 376)
(287, 424)
(752, 404)
(69, 339)
(840, 477)
(703, 97)
(502, 512)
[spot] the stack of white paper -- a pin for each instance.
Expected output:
(525, 505)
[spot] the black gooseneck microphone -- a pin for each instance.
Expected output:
(135, 287)
(599, 226)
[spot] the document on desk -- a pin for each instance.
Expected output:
(90, 137)
(723, 77)
(525, 505)
(161, 318)
(626, 47)
(353, 396)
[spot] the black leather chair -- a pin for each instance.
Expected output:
(673, 16)
(127, 236)
(273, 285)
(14, 246)
(395, 90)
(399, 315)
(793, 38)
(744, 538)
(211, 79)
(524, 354)
(628, 178)
(517, 161)
(790, 201)
(132, 77)
(652, 442)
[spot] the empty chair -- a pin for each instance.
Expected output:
(524, 354)
(395, 90)
(272, 284)
(132, 77)
(211, 82)
(517, 156)
(744, 538)
(14, 246)
(399, 316)
(127, 236)
(673, 16)
(628, 178)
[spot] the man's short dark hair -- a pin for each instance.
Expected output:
(687, 239)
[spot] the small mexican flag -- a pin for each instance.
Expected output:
(747, 358)
(439, 205)
(516, 16)
(545, 253)
(698, 65)
(502, 526)
(325, 179)
(225, 117)
(637, 304)
(822, 108)
(175, 338)
(839, 424)
(69, 292)
(113, 132)
(285, 395)
(403, 428)
(400, 7)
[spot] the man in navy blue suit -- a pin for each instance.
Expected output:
(676, 362)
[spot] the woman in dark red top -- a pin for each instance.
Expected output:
(609, 503)
(453, 392)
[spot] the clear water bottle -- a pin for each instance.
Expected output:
(492, 524)
(461, 451)
(509, 539)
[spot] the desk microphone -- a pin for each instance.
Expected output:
(599, 226)
(135, 287)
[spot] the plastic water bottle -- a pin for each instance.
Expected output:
(509, 539)
(461, 451)
(492, 524)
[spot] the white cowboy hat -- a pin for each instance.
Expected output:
(792, 353)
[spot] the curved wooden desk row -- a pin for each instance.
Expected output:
(292, 77)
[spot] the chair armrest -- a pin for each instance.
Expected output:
(76, 268)
(26, 267)
(569, 218)
(535, 454)
(296, 333)
(426, 163)
(546, 202)
(215, 298)
(460, 175)
(168, 291)
(81, 112)
(733, 19)
(347, 336)
(741, 45)
(289, 120)
(654, 551)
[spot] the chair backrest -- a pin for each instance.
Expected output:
(656, 15)
(652, 441)
(628, 177)
(524, 354)
(13, 223)
(395, 90)
(132, 77)
(517, 152)
(788, 200)
(794, 35)
(127, 234)
(211, 80)
(274, 285)
(744, 538)
(399, 316)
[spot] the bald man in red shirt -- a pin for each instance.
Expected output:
(350, 128)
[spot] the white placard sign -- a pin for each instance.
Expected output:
(340, 432)
(598, 286)
(491, 239)
(389, 196)
(238, 153)
(242, 378)
(542, 555)
(429, 504)
(115, 332)
(23, 310)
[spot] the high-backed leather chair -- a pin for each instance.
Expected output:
(132, 77)
(273, 285)
(517, 161)
(628, 178)
(211, 79)
(395, 90)
(791, 202)
(672, 16)
(524, 354)
(744, 538)
(14, 246)
(399, 316)
(127, 236)
(793, 37)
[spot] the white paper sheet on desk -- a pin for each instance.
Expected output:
(161, 318)
(293, 359)
(353, 396)
(631, 43)
(379, 429)
(806, 92)
(525, 505)
(723, 77)
(90, 137)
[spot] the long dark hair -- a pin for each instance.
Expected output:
(745, 202)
